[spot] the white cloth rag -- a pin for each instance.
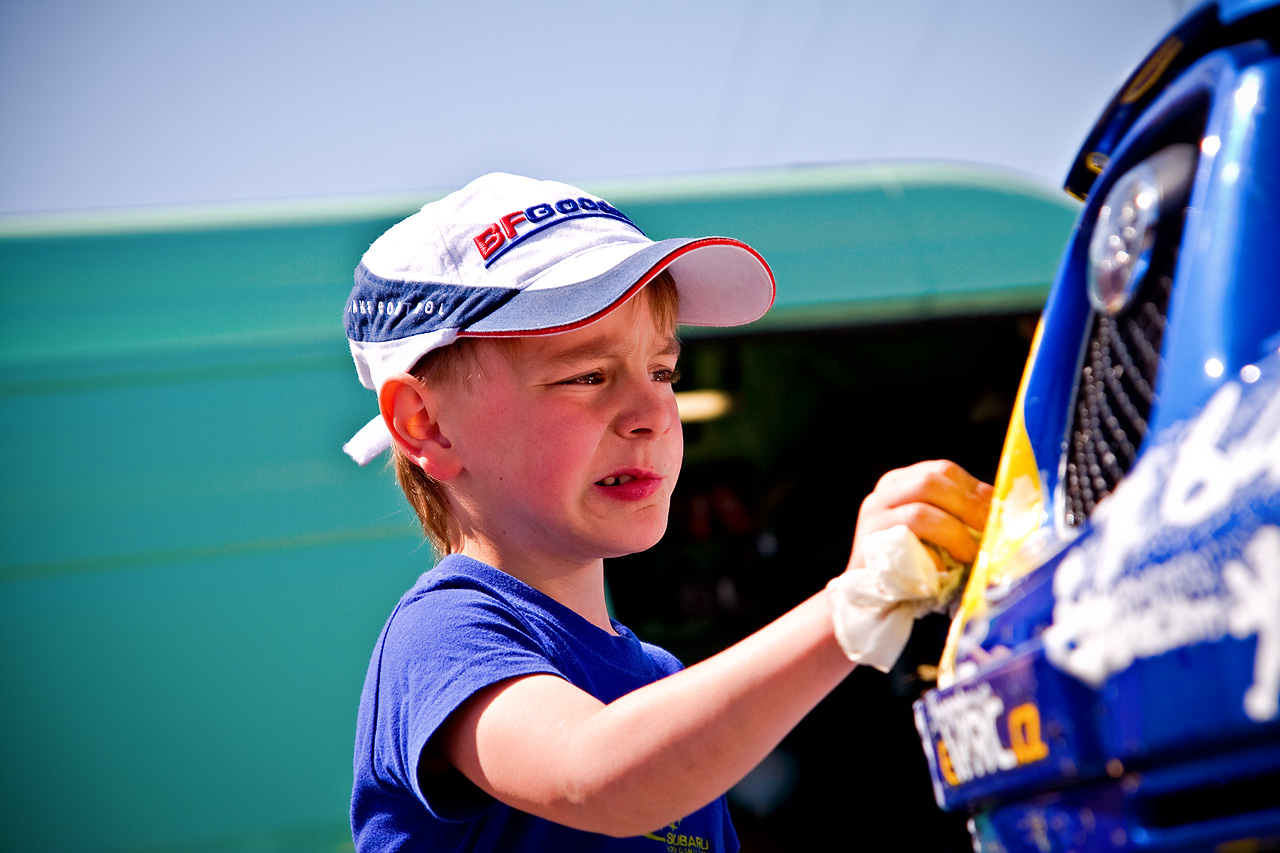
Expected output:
(874, 606)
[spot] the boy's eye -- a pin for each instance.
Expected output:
(594, 378)
(668, 375)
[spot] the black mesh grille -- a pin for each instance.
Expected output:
(1114, 398)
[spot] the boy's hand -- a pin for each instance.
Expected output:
(892, 577)
(940, 502)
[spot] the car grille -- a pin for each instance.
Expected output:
(1114, 398)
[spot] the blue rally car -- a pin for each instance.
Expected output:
(1111, 680)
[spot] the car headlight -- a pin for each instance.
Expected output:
(1127, 233)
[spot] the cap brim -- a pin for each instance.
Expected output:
(722, 282)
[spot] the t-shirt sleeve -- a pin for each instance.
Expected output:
(439, 650)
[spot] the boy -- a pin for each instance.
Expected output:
(521, 338)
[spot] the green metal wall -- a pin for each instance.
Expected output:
(192, 574)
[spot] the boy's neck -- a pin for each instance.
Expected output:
(578, 587)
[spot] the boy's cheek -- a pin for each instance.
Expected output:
(676, 435)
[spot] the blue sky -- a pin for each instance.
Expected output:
(122, 103)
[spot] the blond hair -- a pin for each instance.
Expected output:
(425, 493)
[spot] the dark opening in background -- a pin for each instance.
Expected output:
(763, 517)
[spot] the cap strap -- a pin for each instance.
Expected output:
(372, 439)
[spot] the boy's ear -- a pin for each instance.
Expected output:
(409, 410)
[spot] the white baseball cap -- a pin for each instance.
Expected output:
(507, 256)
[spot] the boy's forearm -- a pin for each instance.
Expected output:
(697, 733)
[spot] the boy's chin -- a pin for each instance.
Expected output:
(641, 542)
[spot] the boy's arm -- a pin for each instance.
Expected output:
(658, 753)
(661, 752)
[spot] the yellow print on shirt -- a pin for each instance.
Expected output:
(678, 842)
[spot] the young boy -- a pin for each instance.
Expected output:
(521, 338)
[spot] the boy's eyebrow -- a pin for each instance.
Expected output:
(602, 347)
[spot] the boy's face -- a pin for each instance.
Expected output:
(570, 443)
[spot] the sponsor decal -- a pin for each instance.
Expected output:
(1186, 551)
(507, 232)
(974, 737)
(680, 842)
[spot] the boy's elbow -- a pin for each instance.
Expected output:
(629, 820)
(618, 823)
(608, 807)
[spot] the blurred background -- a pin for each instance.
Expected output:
(192, 575)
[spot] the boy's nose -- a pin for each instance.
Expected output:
(649, 408)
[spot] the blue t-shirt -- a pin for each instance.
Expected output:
(462, 627)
